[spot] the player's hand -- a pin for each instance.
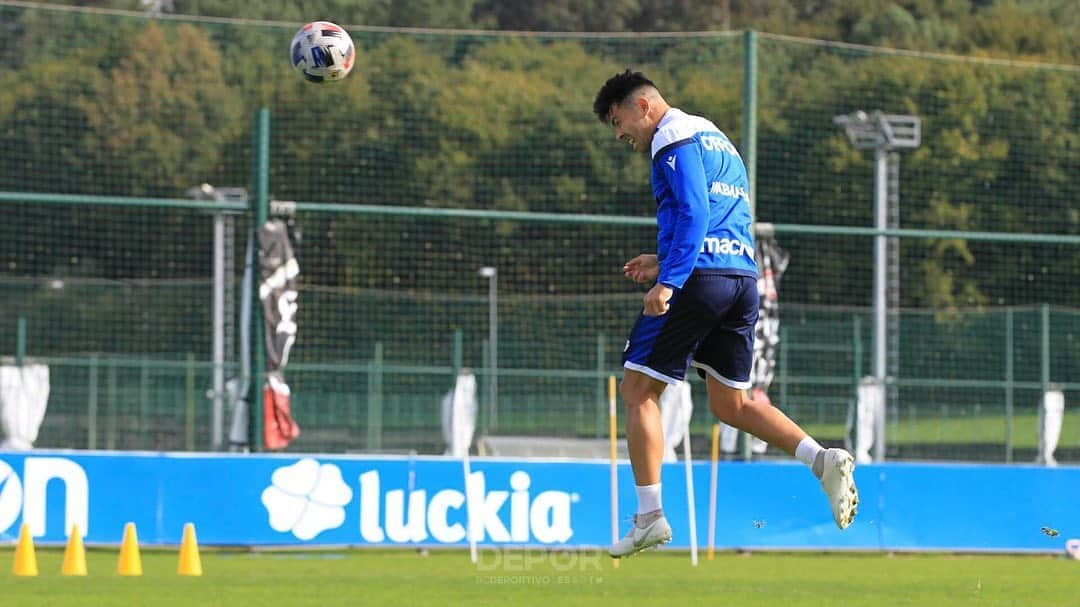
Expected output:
(643, 268)
(656, 300)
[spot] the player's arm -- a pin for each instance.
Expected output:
(684, 170)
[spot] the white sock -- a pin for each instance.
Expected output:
(807, 451)
(648, 498)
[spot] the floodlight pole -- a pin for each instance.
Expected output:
(221, 301)
(881, 218)
(882, 133)
(218, 347)
(217, 340)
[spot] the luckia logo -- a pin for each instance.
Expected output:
(415, 518)
(306, 498)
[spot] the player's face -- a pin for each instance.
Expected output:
(631, 124)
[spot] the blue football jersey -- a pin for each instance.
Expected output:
(703, 202)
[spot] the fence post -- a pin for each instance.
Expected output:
(749, 152)
(374, 413)
(457, 354)
(749, 127)
(782, 362)
(1009, 371)
(1044, 356)
(856, 369)
(601, 386)
(20, 340)
(111, 395)
(260, 212)
(189, 401)
(483, 412)
(144, 403)
(92, 403)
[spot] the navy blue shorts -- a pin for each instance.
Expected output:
(709, 324)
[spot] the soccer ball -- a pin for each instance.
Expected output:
(322, 52)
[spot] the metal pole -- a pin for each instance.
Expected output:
(749, 149)
(881, 214)
(457, 355)
(20, 340)
(144, 404)
(492, 274)
(600, 395)
(493, 322)
(750, 153)
(375, 404)
(481, 413)
(1009, 378)
(749, 130)
(856, 367)
(882, 132)
(189, 414)
(856, 348)
(111, 394)
(1044, 350)
(92, 404)
(782, 363)
(260, 212)
(218, 345)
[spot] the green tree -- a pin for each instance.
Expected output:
(560, 15)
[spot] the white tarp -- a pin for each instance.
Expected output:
(676, 408)
(24, 394)
(1051, 414)
(459, 415)
(869, 405)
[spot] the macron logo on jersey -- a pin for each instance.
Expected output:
(671, 161)
(726, 246)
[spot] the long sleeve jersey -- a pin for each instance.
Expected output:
(703, 204)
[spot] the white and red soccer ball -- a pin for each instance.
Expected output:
(322, 52)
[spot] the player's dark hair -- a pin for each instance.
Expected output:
(616, 90)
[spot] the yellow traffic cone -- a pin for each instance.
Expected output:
(130, 562)
(25, 560)
(74, 554)
(190, 563)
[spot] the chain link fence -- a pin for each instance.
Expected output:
(445, 152)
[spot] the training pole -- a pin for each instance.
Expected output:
(613, 433)
(715, 456)
(468, 508)
(467, 471)
(690, 494)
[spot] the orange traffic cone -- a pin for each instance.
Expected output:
(130, 562)
(190, 563)
(74, 554)
(25, 560)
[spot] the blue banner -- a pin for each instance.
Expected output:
(270, 500)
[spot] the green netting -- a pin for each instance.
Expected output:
(116, 291)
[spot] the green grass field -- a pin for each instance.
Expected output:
(524, 579)
(990, 429)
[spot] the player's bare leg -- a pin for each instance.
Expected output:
(645, 442)
(834, 467)
(644, 430)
